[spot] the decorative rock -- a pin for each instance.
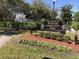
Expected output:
(78, 35)
(73, 34)
(67, 32)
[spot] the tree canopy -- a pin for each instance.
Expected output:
(66, 13)
(8, 8)
(76, 16)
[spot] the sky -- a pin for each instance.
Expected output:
(60, 3)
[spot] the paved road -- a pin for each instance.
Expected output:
(4, 39)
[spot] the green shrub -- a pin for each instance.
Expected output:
(54, 36)
(60, 38)
(75, 25)
(38, 25)
(16, 25)
(66, 38)
(41, 34)
(1, 24)
(47, 35)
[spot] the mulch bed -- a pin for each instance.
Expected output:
(33, 37)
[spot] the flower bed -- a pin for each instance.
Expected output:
(45, 44)
(64, 38)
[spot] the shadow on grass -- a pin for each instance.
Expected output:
(46, 58)
(8, 33)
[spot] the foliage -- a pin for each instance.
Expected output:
(44, 44)
(47, 35)
(5, 25)
(21, 25)
(15, 25)
(66, 38)
(76, 16)
(11, 51)
(59, 38)
(41, 34)
(2, 24)
(8, 8)
(38, 25)
(36, 11)
(40, 44)
(51, 36)
(63, 48)
(31, 25)
(42, 10)
(66, 14)
(74, 25)
(54, 36)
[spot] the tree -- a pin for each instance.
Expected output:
(66, 14)
(3, 10)
(42, 10)
(76, 16)
(31, 26)
(8, 8)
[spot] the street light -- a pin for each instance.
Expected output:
(54, 0)
(54, 8)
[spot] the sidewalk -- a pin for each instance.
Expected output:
(3, 40)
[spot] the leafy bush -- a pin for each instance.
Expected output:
(66, 38)
(26, 25)
(38, 25)
(54, 36)
(47, 35)
(75, 25)
(16, 25)
(41, 34)
(57, 37)
(1, 24)
(60, 38)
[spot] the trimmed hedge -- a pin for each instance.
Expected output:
(21, 25)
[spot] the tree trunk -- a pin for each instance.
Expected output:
(31, 31)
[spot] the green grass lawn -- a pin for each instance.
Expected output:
(13, 50)
(30, 52)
